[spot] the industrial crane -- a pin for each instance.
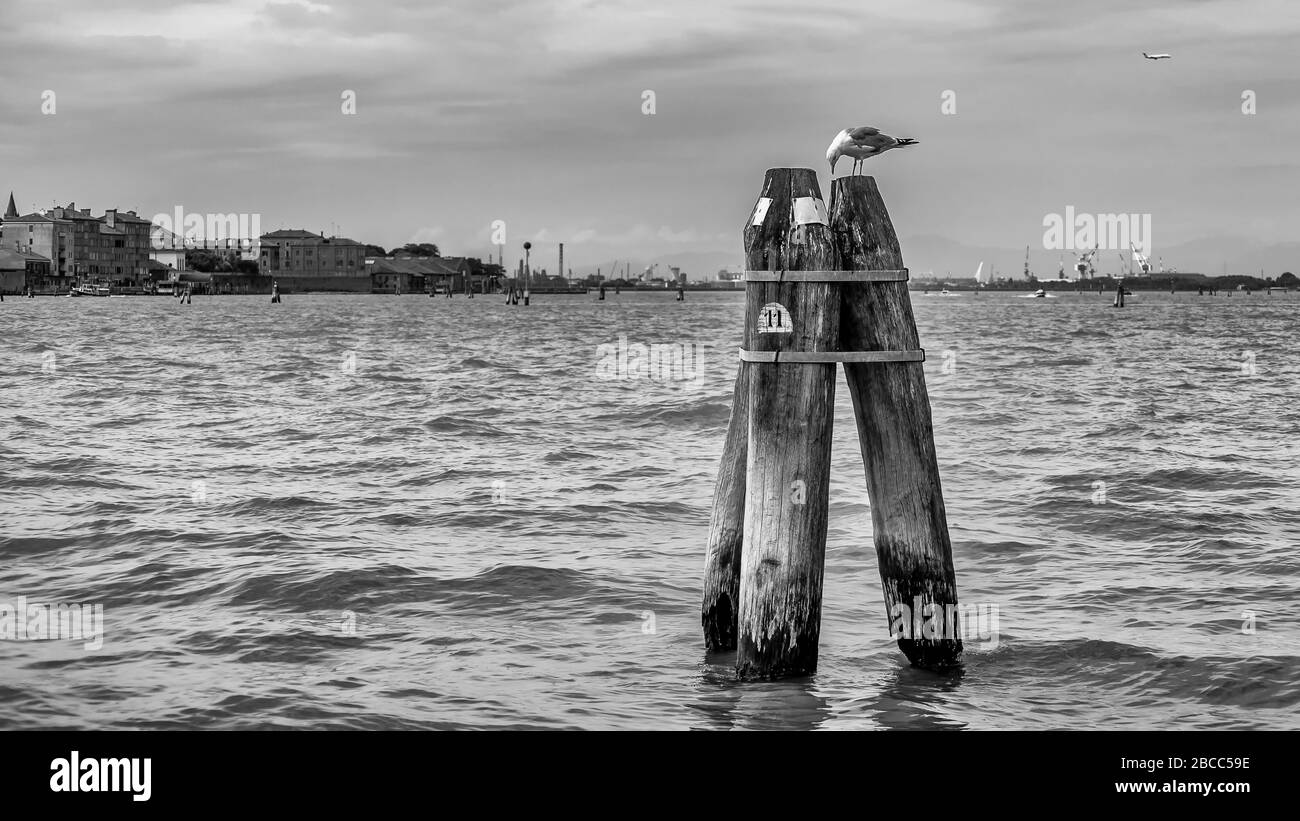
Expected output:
(1084, 265)
(1143, 262)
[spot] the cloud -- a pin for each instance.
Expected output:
(432, 233)
(470, 111)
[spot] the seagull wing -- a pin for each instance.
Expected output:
(861, 132)
(876, 142)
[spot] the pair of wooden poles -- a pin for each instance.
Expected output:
(824, 289)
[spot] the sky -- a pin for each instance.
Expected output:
(472, 111)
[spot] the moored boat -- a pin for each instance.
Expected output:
(88, 289)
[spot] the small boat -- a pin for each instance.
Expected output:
(89, 290)
(1040, 293)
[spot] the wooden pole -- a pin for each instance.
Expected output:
(726, 525)
(787, 467)
(895, 434)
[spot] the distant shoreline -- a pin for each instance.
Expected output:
(1178, 283)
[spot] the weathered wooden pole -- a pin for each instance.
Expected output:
(895, 434)
(787, 467)
(768, 246)
(727, 524)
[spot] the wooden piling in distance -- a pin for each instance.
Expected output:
(787, 467)
(895, 433)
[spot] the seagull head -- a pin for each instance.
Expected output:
(833, 155)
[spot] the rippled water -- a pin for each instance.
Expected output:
(402, 512)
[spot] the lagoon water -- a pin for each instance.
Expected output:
(403, 512)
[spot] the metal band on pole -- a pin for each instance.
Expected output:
(822, 357)
(899, 275)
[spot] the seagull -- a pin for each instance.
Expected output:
(860, 143)
(1156, 56)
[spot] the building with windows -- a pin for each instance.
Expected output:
(113, 248)
(302, 261)
(20, 270)
(408, 274)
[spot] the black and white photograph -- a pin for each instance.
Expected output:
(381, 366)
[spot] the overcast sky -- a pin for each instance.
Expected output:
(474, 111)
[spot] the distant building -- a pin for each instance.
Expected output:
(166, 249)
(124, 247)
(451, 272)
(405, 275)
(169, 248)
(112, 248)
(303, 261)
(411, 274)
(20, 270)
